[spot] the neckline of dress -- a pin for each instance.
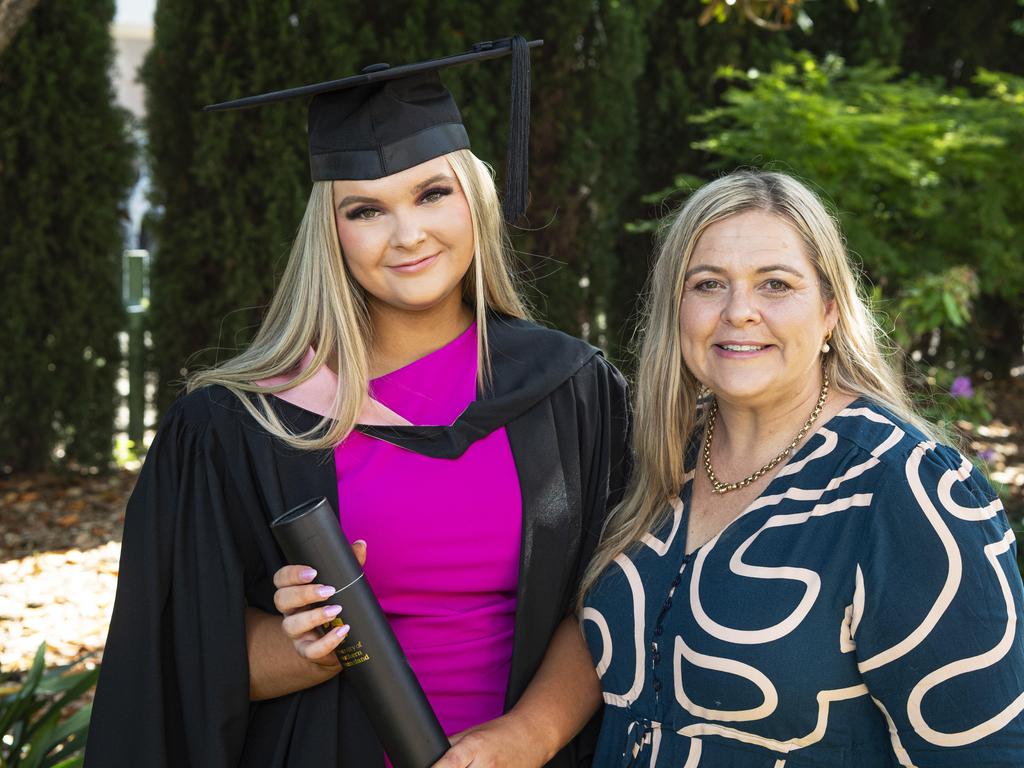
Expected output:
(315, 395)
(447, 347)
(686, 492)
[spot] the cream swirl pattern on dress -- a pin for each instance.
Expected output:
(861, 613)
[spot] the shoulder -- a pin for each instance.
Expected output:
(875, 431)
(916, 481)
(537, 340)
(530, 362)
(216, 416)
(211, 406)
(556, 349)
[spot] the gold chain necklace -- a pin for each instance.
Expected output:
(719, 487)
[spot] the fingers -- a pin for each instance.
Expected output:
(290, 599)
(462, 754)
(296, 575)
(293, 575)
(298, 624)
(323, 648)
(294, 590)
(468, 748)
(359, 547)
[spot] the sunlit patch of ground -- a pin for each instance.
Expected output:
(63, 597)
(60, 541)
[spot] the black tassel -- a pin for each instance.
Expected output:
(518, 160)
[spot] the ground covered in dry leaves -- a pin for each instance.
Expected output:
(60, 539)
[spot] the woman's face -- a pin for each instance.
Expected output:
(406, 238)
(752, 318)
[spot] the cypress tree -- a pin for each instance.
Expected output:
(65, 168)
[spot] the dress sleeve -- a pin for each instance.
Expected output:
(936, 614)
(174, 685)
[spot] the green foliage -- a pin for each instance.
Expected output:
(924, 179)
(35, 727)
(930, 309)
(65, 166)
(912, 161)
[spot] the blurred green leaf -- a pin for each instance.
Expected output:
(36, 729)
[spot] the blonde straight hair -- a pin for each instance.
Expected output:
(862, 361)
(318, 304)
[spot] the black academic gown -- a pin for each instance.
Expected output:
(197, 549)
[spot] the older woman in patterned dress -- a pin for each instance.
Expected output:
(803, 573)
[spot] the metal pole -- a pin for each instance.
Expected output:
(136, 301)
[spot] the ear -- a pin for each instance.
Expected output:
(831, 314)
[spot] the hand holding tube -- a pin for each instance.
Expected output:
(374, 664)
(296, 593)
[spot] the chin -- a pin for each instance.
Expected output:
(418, 302)
(742, 391)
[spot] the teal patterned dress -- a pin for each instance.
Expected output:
(863, 612)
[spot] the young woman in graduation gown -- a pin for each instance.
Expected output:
(397, 375)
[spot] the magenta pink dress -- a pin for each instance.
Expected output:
(442, 537)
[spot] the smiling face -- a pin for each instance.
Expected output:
(407, 238)
(752, 316)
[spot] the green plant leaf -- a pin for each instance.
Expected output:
(952, 310)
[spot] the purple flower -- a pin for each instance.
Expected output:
(961, 387)
(986, 455)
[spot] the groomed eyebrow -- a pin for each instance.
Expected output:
(760, 270)
(349, 200)
(356, 199)
(432, 180)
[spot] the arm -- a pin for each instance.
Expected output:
(275, 668)
(174, 682)
(562, 697)
(288, 655)
(938, 612)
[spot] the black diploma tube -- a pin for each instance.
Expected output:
(372, 659)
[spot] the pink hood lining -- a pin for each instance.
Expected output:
(316, 394)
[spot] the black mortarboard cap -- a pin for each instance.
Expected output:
(388, 119)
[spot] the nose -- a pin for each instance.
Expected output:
(409, 232)
(740, 307)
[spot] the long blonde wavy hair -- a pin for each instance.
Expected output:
(862, 362)
(319, 304)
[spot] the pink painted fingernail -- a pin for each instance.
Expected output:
(331, 610)
(307, 574)
(342, 631)
(325, 591)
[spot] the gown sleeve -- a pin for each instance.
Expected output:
(603, 416)
(936, 614)
(174, 684)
